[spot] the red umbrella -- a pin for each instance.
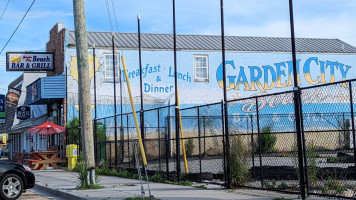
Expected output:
(47, 129)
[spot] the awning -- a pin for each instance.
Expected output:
(26, 124)
(46, 90)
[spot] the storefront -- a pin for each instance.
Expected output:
(49, 91)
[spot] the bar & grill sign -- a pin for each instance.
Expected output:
(23, 112)
(2, 109)
(29, 61)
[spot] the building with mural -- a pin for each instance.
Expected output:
(255, 66)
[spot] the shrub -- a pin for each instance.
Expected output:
(239, 163)
(82, 174)
(283, 186)
(312, 155)
(267, 140)
(189, 147)
(331, 159)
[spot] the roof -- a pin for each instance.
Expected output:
(29, 123)
(211, 43)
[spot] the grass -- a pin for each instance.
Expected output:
(157, 178)
(140, 198)
(282, 198)
(91, 187)
(332, 159)
(200, 186)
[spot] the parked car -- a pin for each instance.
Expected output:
(14, 179)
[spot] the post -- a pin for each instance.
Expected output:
(253, 147)
(227, 139)
(223, 139)
(142, 120)
(168, 146)
(305, 153)
(297, 105)
(96, 111)
(199, 136)
(352, 121)
(84, 82)
(159, 141)
(122, 133)
(115, 108)
(259, 140)
(176, 94)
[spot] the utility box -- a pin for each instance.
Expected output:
(72, 155)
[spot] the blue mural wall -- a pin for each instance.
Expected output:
(248, 74)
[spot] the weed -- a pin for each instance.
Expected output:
(239, 155)
(186, 183)
(312, 155)
(331, 159)
(267, 140)
(283, 186)
(282, 198)
(140, 198)
(269, 185)
(201, 186)
(189, 147)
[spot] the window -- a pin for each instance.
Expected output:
(201, 68)
(109, 71)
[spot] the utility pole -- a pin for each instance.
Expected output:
(86, 124)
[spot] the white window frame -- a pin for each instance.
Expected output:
(196, 79)
(117, 67)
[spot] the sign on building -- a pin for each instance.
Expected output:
(29, 61)
(2, 109)
(23, 112)
(13, 96)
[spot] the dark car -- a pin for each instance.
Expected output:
(14, 179)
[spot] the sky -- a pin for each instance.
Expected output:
(313, 19)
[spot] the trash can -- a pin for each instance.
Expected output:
(72, 154)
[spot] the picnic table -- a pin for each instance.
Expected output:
(42, 159)
(19, 157)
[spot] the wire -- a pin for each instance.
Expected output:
(113, 8)
(4, 9)
(109, 14)
(18, 26)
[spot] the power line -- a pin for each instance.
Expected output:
(109, 14)
(4, 9)
(113, 8)
(18, 26)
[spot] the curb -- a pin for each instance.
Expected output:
(56, 193)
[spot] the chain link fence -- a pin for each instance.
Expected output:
(262, 141)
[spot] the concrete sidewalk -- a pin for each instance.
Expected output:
(63, 184)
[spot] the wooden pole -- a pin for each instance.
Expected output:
(86, 124)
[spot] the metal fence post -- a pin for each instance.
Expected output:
(305, 152)
(199, 136)
(168, 145)
(204, 131)
(110, 151)
(159, 142)
(259, 140)
(353, 122)
(296, 98)
(128, 140)
(253, 147)
(223, 140)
